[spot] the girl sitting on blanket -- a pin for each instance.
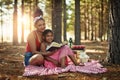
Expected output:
(59, 56)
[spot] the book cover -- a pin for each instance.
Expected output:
(53, 46)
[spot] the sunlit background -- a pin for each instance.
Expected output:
(90, 16)
(6, 26)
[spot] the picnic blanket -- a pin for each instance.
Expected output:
(89, 67)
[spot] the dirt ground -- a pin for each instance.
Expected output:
(11, 64)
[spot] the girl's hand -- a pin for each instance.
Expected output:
(54, 51)
(49, 53)
(56, 63)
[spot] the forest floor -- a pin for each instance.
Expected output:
(11, 66)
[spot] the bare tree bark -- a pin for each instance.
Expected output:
(114, 43)
(30, 14)
(85, 27)
(77, 22)
(57, 19)
(15, 34)
(1, 24)
(22, 38)
(64, 20)
(91, 21)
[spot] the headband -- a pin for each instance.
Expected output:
(37, 18)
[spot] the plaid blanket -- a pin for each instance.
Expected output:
(89, 67)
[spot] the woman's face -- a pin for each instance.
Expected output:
(40, 25)
(49, 37)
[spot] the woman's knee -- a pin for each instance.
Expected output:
(36, 59)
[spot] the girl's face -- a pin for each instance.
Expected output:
(49, 37)
(40, 25)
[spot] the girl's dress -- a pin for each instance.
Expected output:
(64, 51)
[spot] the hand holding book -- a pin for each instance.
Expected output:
(54, 45)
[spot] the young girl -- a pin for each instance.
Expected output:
(58, 56)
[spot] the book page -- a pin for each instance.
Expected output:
(53, 46)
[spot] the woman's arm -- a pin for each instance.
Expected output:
(32, 43)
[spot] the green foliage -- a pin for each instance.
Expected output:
(1, 11)
(28, 1)
(7, 2)
(70, 15)
(90, 13)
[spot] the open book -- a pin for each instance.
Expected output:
(54, 45)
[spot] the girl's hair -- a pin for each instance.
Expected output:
(46, 32)
(38, 15)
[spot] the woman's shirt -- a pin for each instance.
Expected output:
(38, 44)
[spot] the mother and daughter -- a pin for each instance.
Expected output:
(37, 42)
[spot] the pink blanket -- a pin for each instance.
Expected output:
(90, 67)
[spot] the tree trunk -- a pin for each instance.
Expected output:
(30, 6)
(57, 19)
(99, 30)
(15, 34)
(102, 21)
(92, 26)
(85, 27)
(64, 20)
(1, 24)
(36, 3)
(22, 38)
(77, 22)
(88, 27)
(108, 30)
(114, 45)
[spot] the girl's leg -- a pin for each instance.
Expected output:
(66, 51)
(73, 59)
(63, 62)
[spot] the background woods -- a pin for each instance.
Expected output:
(93, 23)
(79, 19)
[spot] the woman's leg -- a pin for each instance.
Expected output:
(36, 59)
(27, 56)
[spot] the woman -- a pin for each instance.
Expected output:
(33, 56)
